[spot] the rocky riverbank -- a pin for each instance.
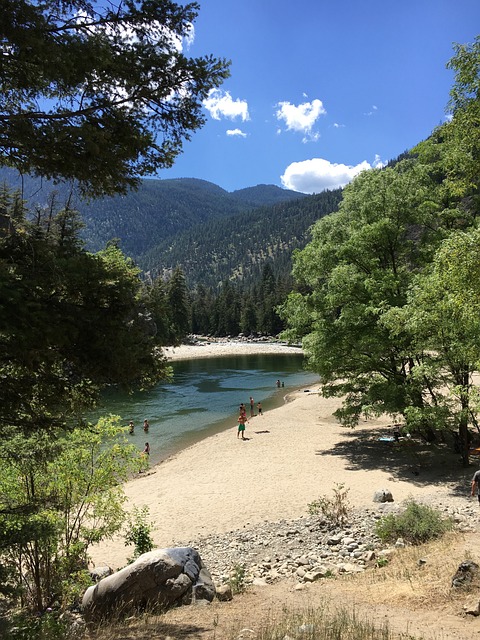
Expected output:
(308, 548)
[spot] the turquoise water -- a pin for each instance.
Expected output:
(204, 397)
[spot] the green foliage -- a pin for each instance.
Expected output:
(237, 246)
(121, 95)
(382, 561)
(417, 524)
(49, 626)
(335, 509)
(388, 306)
(54, 506)
(71, 322)
(237, 578)
(138, 532)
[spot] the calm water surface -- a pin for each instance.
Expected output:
(204, 397)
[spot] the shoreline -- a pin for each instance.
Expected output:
(213, 348)
(293, 455)
(217, 348)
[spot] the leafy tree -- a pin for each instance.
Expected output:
(99, 93)
(71, 323)
(462, 134)
(156, 299)
(443, 317)
(358, 265)
(380, 314)
(56, 500)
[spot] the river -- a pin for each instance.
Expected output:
(204, 397)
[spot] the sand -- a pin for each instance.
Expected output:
(292, 455)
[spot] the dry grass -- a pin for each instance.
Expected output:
(420, 575)
(405, 599)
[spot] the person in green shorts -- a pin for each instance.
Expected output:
(242, 419)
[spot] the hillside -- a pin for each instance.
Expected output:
(157, 211)
(237, 247)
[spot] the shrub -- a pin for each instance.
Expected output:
(138, 532)
(237, 578)
(335, 509)
(417, 524)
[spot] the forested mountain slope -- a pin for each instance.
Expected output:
(238, 247)
(158, 210)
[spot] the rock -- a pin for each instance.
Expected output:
(159, 578)
(224, 593)
(465, 573)
(313, 576)
(383, 495)
(259, 582)
(472, 607)
(308, 543)
(349, 567)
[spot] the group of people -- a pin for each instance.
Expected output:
(242, 418)
(146, 427)
(131, 426)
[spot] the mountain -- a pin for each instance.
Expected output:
(157, 211)
(237, 247)
(212, 234)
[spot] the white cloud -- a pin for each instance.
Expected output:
(316, 175)
(378, 163)
(372, 112)
(336, 125)
(221, 104)
(236, 133)
(302, 117)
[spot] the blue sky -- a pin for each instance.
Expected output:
(319, 90)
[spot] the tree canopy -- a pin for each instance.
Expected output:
(100, 93)
(384, 313)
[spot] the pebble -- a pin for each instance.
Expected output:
(308, 548)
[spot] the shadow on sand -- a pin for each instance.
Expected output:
(411, 460)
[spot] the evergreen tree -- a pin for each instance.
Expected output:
(100, 93)
(202, 310)
(179, 307)
(227, 311)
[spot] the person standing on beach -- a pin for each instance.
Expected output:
(252, 407)
(242, 419)
(243, 410)
(259, 408)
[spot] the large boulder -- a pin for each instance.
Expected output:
(158, 579)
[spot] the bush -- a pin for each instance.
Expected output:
(417, 524)
(335, 509)
(139, 532)
(237, 578)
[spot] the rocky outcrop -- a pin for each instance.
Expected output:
(156, 580)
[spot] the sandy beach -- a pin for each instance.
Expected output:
(223, 347)
(292, 455)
